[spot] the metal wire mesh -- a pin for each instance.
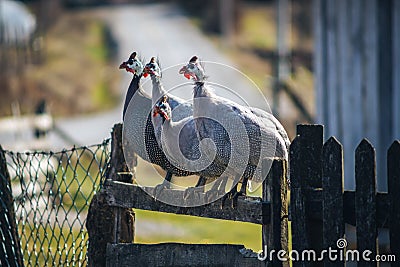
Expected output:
(52, 193)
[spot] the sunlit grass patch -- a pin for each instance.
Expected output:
(155, 227)
(52, 245)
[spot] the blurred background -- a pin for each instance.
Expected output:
(66, 52)
(335, 63)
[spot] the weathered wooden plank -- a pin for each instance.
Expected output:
(174, 254)
(393, 169)
(118, 169)
(310, 171)
(248, 209)
(332, 185)
(266, 227)
(10, 251)
(300, 239)
(107, 224)
(315, 199)
(311, 137)
(275, 234)
(365, 200)
(396, 69)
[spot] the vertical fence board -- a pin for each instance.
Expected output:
(106, 224)
(310, 172)
(300, 239)
(393, 169)
(276, 234)
(332, 185)
(396, 69)
(365, 200)
(266, 226)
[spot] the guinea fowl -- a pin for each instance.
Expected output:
(178, 139)
(138, 125)
(263, 135)
(135, 67)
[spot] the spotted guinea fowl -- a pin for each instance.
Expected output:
(260, 132)
(178, 139)
(138, 127)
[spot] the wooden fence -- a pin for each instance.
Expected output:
(319, 209)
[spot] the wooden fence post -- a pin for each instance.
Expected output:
(393, 165)
(275, 233)
(305, 174)
(106, 224)
(365, 200)
(12, 254)
(332, 191)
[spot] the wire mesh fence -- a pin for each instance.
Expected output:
(52, 193)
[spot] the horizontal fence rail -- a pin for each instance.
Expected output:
(248, 209)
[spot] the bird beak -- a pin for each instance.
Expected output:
(185, 73)
(183, 70)
(123, 66)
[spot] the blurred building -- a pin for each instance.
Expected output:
(17, 23)
(357, 67)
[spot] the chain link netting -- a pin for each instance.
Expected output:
(52, 193)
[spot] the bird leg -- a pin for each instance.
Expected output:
(233, 193)
(165, 185)
(242, 192)
(216, 190)
(228, 195)
(190, 191)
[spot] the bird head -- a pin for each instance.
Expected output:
(193, 70)
(163, 109)
(132, 65)
(152, 68)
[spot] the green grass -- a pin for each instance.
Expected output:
(52, 245)
(190, 229)
(76, 180)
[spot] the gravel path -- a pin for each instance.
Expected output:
(156, 30)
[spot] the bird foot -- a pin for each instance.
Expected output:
(234, 196)
(230, 195)
(158, 189)
(191, 191)
(213, 194)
